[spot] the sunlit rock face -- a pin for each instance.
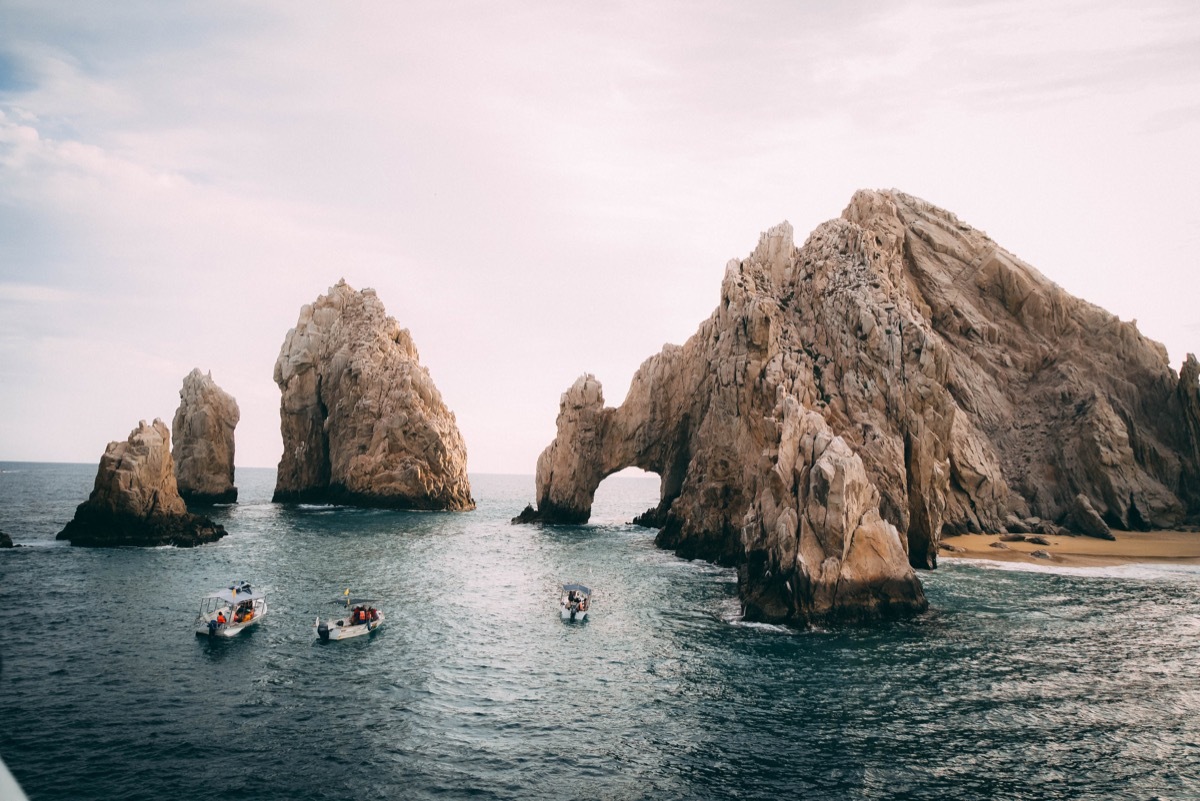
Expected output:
(203, 435)
(135, 500)
(849, 400)
(362, 421)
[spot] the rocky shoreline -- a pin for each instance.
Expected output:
(1126, 547)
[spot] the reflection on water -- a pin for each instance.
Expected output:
(1022, 684)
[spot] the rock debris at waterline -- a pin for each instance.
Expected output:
(361, 419)
(135, 500)
(202, 432)
(897, 376)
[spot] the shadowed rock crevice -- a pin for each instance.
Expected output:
(948, 385)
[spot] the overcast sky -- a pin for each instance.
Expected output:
(538, 189)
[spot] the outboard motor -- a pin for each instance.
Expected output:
(212, 628)
(323, 631)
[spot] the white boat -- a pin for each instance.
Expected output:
(575, 603)
(227, 612)
(358, 620)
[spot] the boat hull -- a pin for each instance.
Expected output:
(343, 630)
(205, 627)
(579, 615)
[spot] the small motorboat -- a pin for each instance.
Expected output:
(575, 602)
(227, 612)
(359, 619)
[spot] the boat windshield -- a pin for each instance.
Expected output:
(212, 603)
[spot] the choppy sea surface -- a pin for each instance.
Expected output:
(1018, 684)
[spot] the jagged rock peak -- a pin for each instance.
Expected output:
(135, 500)
(203, 435)
(362, 421)
(971, 391)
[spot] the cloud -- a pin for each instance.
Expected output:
(542, 190)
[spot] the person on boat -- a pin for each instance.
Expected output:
(373, 614)
(221, 618)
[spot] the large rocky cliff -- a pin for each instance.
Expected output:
(362, 421)
(135, 500)
(897, 376)
(202, 432)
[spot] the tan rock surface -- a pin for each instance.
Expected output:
(135, 500)
(203, 435)
(973, 391)
(362, 421)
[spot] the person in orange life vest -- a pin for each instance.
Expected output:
(221, 618)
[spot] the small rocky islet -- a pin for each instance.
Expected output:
(202, 432)
(135, 499)
(362, 422)
(898, 377)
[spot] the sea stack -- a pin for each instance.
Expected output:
(362, 421)
(203, 441)
(135, 500)
(901, 373)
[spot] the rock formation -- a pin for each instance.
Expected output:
(969, 390)
(203, 435)
(362, 421)
(5, 540)
(135, 500)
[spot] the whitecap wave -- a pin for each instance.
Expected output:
(1140, 571)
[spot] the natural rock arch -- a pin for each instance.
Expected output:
(970, 391)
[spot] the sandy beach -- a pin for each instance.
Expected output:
(1178, 547)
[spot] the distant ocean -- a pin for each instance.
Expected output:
(1017, 684)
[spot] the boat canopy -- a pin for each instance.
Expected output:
(242, 591)
(576, 588)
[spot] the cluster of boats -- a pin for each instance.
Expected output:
(228, 612)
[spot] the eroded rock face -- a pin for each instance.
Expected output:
(362, 420)
(135, 500)
(972, 390)
(203, 435)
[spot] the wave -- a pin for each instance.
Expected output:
(1140, 571)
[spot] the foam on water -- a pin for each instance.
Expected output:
(1139, 571)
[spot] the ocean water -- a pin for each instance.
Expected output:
(1017, 684)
